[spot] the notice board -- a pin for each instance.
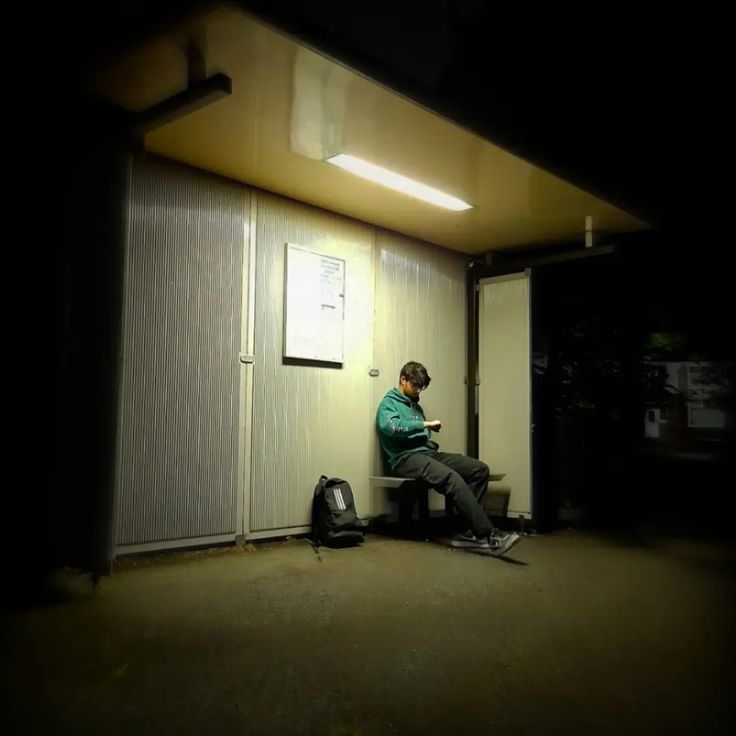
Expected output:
(314, 312)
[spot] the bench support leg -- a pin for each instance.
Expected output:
(423, 501)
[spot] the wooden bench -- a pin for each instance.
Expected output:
(415, 491)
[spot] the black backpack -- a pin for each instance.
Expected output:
(335, 522)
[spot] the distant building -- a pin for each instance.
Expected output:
(693, 409)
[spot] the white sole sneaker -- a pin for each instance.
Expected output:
(472, 544)
(509, 541)
(462, 542)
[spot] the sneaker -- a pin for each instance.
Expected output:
(468, 540)
(501, 542)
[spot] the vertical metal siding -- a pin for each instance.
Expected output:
(180, 371)
(308, 420)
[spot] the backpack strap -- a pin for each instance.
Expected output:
(321, 486)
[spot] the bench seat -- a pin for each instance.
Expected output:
(415, 491)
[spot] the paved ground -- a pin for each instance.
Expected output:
(578, 634)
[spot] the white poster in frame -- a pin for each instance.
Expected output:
(314, 313)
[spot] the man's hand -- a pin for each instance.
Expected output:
(435, 425)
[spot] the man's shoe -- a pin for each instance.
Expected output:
(468, 540)
(497, 543)
(501, 542)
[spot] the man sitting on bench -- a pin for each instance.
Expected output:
(405, 440)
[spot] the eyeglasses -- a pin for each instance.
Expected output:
(418, 386)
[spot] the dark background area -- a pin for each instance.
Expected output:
(600, 326)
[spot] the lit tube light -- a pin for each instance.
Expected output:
(397, 182)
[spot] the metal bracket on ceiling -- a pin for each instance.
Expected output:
(195, 97)
(201, 90)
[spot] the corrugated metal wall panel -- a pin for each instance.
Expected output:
(179, 396)
(309, 420)
(420, 315)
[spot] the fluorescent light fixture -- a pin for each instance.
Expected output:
(396, 181)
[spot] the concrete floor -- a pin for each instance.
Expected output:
(578, 634)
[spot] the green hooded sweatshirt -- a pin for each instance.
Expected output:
(401, 428)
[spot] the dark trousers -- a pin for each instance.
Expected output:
(462, 479)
